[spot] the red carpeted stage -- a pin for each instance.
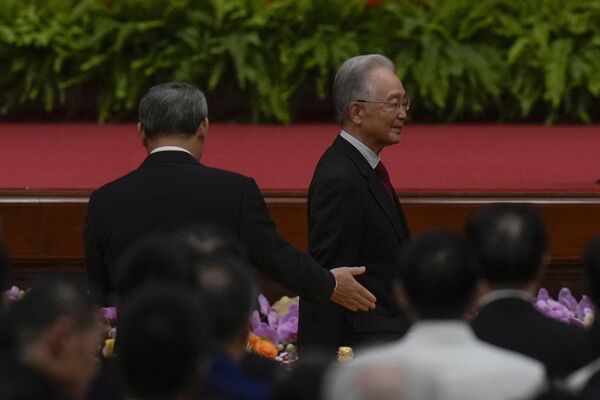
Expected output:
(442, 173)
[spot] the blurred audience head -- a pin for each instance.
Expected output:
(172, 109)
(439, 275)
(57, 331)
(591, 259)
(223, 280)
(511, 242)
(156, 258)
(163, 342)
(385, 381)
(206, 241)
(304, 379)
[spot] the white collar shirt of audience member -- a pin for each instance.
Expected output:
(447, 354)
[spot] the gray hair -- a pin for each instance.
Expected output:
(351, 81)
(172, 108)
(382, 379)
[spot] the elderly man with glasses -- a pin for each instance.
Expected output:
(354, 215)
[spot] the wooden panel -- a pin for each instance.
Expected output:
(44, 230)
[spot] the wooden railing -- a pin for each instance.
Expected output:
(43, 229)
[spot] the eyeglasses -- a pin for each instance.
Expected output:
(393, 104)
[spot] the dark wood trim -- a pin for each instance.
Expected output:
(43, 228)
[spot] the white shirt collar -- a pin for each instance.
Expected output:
(505, 294)
(170, 148)
(444, 331)
(371, 157)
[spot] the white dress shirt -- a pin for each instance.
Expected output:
(444, 360)
(369, 155)
(170, 148)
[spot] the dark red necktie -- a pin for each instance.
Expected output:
(384, 177)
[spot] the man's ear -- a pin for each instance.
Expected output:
(355, 113)
(142, 134)
(399, 294)
(59, 335)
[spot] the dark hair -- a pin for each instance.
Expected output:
(46, 302)
(209, 240)
(227, 289)
(153, 258)
(223, 279)
(304, 379)
(439, 272)
(172, 108)
(591, 260)
(510, 240)
(162, 339)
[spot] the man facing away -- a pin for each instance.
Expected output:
(440, 356)
(172, 189)
(512, 244)
(354, 216)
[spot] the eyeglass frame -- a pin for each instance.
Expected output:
(404, 103)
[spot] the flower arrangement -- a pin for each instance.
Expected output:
(566, 308)
(275, 327)
(109, 315)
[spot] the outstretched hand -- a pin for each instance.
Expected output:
(349, 293)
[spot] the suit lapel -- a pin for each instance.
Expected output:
(391, 208)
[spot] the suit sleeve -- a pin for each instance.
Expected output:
(97, 276)
(335, 219)
(277, 258)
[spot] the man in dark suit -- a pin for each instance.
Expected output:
(171, 189)
(512, 244)
(354, 216)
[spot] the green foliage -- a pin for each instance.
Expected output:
(461, 60)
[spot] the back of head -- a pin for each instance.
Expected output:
(304, 379)
(228, 291)
(591, 259)
(174, 108)
(384, 380)
(45, 303)
(151, 259)
(351, 81)
(206, 241)
(510, 240)
(162, 340)
(439, 274)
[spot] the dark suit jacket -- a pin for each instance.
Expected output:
(516, 325)
(171, 189)
(352, 221)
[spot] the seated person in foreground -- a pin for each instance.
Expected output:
(163, 343)
(512, 245)
(56, 335)
(442, 356)
(228, 292)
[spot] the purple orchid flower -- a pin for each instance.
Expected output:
(566, 298)
(110, 314)
(265, 307)
(543, 294)
(12, 294)
(262, 329)
(566, 309)
(288, 326)
(278, 328)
